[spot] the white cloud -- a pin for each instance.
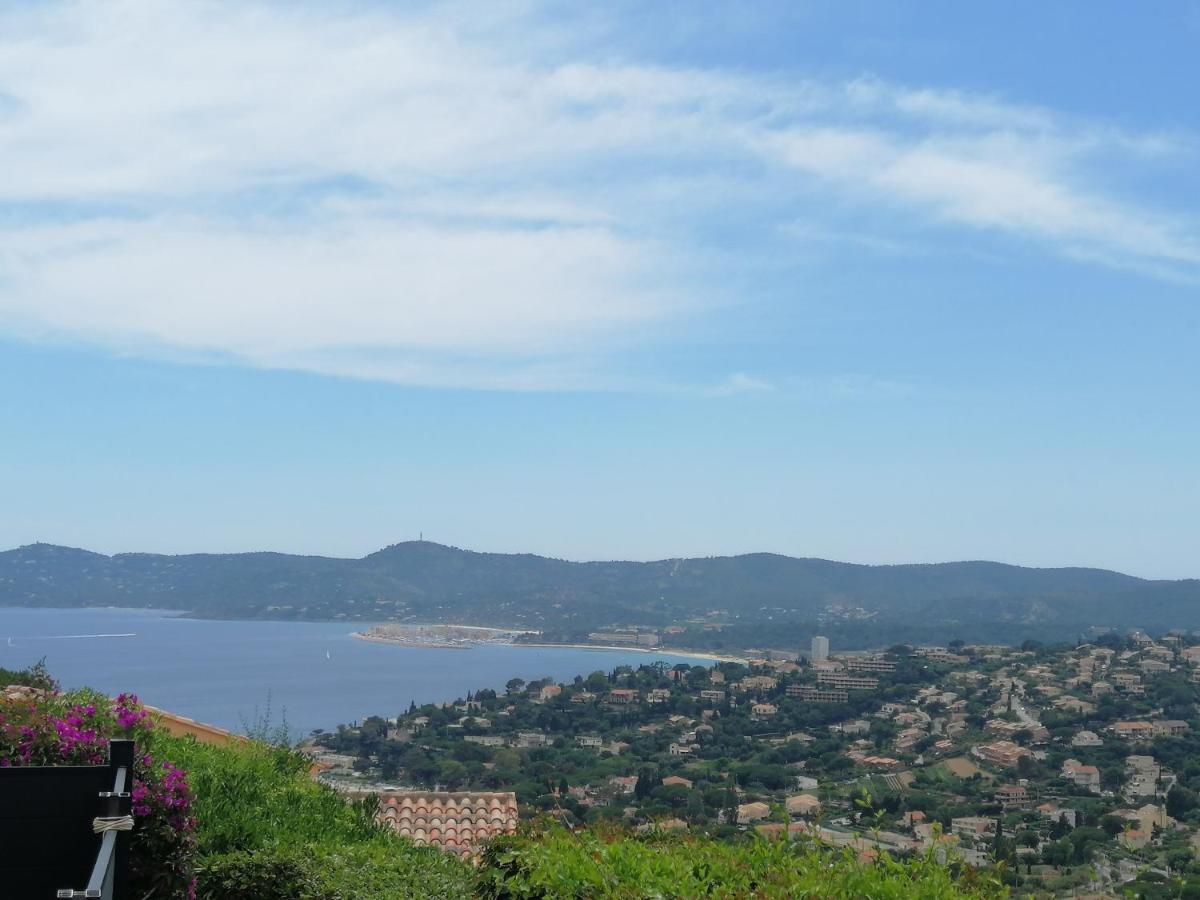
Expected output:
(406, 196)
(741, 383)
(268, 296)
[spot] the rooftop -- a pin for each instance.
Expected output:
(456, 821)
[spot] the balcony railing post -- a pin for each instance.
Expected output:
(121, 757)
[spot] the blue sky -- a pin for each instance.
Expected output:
(867, 281)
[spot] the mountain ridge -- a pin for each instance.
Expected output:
(726, 600)
(753, 554)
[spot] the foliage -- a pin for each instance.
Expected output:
(266, 829)
(766, 600)
(381, 870)
(556, 863)
(636, 740)
(75, 729)
(36, 676)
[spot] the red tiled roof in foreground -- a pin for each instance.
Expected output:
(457, 821)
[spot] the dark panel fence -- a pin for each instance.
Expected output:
(49, 846)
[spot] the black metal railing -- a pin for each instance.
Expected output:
(107, 880)
(67, 825)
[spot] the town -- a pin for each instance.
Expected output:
(1071, 767)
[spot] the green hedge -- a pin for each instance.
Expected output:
(555, 863)
(266, 830)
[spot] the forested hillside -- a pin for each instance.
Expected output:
(725, 601)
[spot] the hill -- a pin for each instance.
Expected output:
(725, 602)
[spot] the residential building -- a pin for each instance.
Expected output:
(820, 649)
(1086, 777)
(874, 762)
(826, 665)
(869, 664)
(1142, 776)
(1056, 813)
(817, 695)
(485, 740)
(632, 636)
(1005, 754)
(1133, 731)
(756, 682)
(624, 784)
(803, 805)
(972, 826)
(847, 682)
(527, 740)
(457, 822)
(1012, 796)
(940, 654)
(752, 812)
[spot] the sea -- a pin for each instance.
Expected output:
(243, 675)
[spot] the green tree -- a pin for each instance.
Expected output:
(451, 774)
(647, 780)
(1181, 801)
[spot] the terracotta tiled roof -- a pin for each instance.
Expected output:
(455, 821)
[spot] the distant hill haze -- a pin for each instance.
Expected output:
(757, 599)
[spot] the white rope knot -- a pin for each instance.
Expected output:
(101, 824)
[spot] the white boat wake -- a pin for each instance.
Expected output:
(68, 637)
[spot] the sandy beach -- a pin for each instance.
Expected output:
(401, 640)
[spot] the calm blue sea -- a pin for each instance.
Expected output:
(225, 673)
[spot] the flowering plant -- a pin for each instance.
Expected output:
(42, 727)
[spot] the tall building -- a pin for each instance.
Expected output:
(820, 648)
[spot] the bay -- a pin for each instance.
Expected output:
(315, 674)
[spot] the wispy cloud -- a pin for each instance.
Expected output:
(404, 196)
(740, 383)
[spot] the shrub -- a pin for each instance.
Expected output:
(264, 875)
(553, 863)
(46, 728)
(266, 829)
(36, 676)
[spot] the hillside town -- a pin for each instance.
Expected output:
(1074, 768)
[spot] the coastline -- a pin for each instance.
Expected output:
(673, 651)
(439, 645)
(400, 642)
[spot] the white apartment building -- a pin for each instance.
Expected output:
(820, 649)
